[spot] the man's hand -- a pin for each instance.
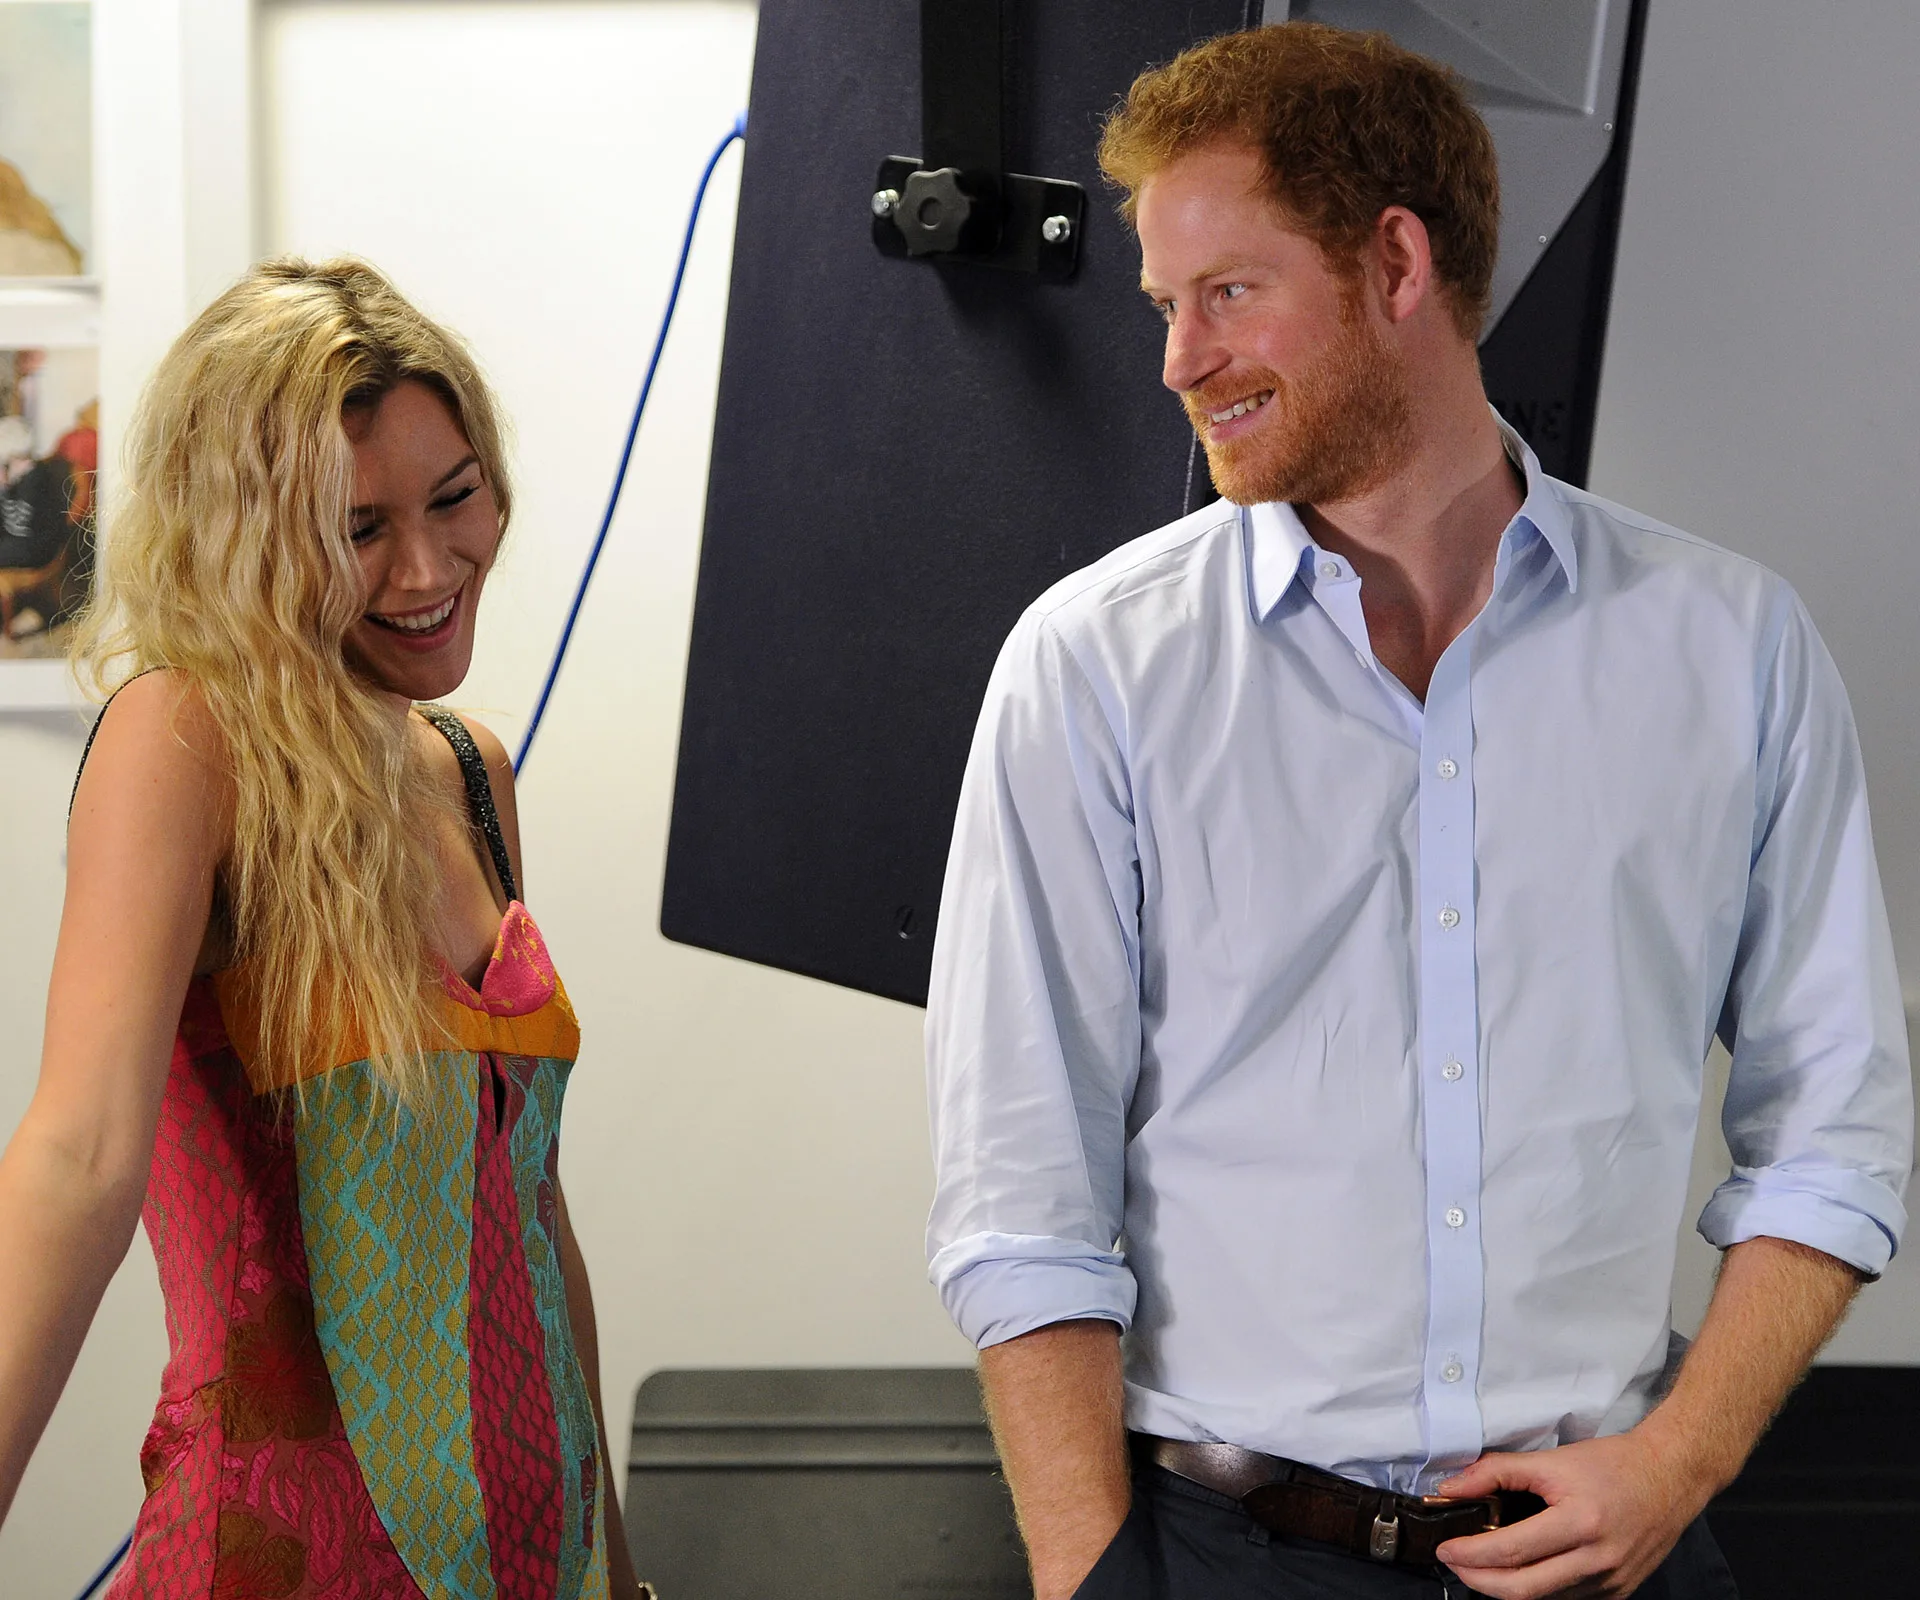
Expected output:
(1615, 1507)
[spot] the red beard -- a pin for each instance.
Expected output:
(1339, 426)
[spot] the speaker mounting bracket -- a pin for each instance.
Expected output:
(956, 201)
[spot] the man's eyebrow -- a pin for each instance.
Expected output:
(1216, 269)
(439, 483)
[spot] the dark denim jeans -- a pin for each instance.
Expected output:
(1184, 1542)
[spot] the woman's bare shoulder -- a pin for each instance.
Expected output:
(156, 741)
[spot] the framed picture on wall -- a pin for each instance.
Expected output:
(49, 343)
(49, 457)
(46, 139)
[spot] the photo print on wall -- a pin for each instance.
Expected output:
(46, 140)
(49, 454)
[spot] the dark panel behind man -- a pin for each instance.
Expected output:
(1349, 879)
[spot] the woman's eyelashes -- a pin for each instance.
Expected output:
(361, 532)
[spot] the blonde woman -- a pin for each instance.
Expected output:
(300, 1021)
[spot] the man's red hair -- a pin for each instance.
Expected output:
(1347, 123)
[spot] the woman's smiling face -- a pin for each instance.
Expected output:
(425, 528)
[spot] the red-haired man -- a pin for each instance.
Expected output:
(1348, 881)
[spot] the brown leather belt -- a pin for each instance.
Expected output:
(1302, 1502)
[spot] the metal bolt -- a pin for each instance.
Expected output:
(1056, 230)
(884, 200)
(1543, 238)
(1606, 127)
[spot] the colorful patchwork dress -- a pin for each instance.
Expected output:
(373, 1391)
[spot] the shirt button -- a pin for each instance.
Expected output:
(1452, 1372)
(1449, 918)
(1446, 768)
(1456, 1218)
(1451, 1071)
(1329, 569)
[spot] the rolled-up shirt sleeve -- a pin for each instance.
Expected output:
(1033, 1018)
(1819, 1107)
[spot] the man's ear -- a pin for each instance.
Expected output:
(1402, 263)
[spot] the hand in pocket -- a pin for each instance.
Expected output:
(1128, 1569)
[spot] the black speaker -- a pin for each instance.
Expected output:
(905, 453)
(835, 1484)
(909, 449)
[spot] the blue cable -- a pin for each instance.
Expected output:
(737, 131)
(106, 1572)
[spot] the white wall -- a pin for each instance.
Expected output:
(1762, 383)
(745, 1150)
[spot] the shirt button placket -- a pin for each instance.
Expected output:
(1450, 1049)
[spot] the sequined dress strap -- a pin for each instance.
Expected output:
(473, 772)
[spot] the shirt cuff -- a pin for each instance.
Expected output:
(997, 1286)
(1848, 1215)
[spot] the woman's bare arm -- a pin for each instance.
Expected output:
(586, 1339)
(145, 841)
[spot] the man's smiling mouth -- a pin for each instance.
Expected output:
(1241, 407)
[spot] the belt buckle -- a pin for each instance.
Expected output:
(1383, 1543)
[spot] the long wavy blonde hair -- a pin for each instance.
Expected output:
(228, 559)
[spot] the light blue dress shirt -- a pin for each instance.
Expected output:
(1349, 1050)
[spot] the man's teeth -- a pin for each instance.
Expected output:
(420, 621)
(1241, 407)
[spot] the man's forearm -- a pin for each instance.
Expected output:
(1055, 1398)
(1773, 1307)
(1616, 1505)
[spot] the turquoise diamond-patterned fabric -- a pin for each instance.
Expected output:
(536, 1149)
(386, 1203)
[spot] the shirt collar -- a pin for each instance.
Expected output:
(1278, 543)
(1543, 510)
